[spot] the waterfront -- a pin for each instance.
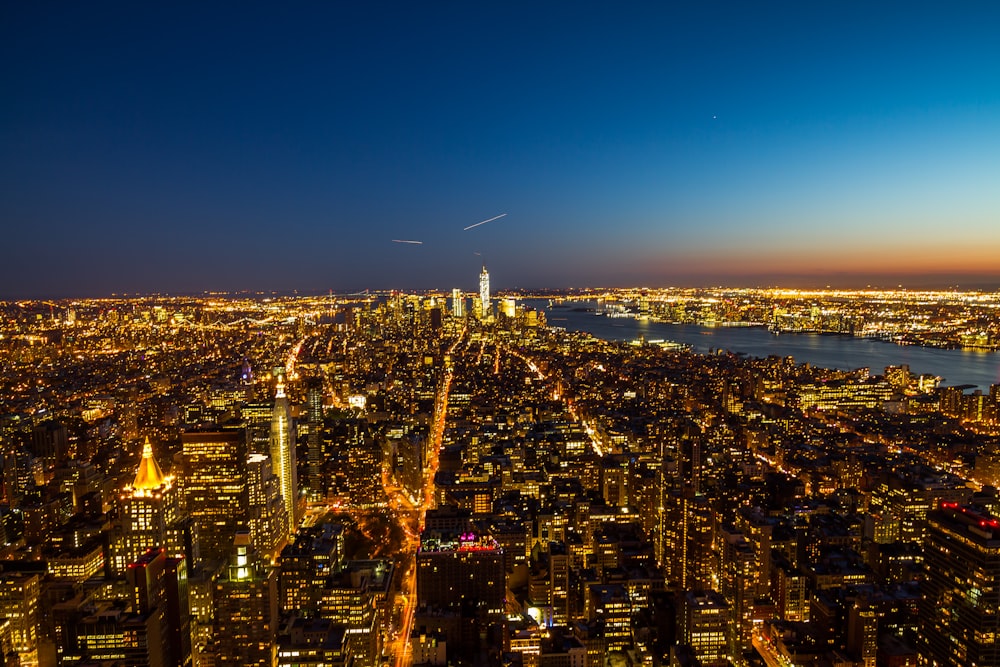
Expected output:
(956, 367)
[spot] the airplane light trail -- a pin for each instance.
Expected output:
(407, 241)
(484, 222)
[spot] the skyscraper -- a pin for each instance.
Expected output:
(283, 454)
(246, 603)
(484, 293)
(149, 507)
(960, 608)
(465, 569)
(214, 483)
(314, 404)
(159, 588)
(457, 303)
(704, 624)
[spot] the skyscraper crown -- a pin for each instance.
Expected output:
(148, 476)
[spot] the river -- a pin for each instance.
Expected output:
(955, 367)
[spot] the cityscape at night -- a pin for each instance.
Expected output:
(500, 335)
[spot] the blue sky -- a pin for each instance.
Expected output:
(184, 148)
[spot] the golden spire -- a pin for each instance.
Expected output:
(149, 476)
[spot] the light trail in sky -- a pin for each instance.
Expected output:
(496, 217)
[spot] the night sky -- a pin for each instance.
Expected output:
(258, 146)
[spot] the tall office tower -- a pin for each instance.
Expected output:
(758, 529)
(127, 412)
(214, 486)
(687, 540)
(484, 294)
(306, 566)
(283, 455)
(960, 605)
(361, 455)
(257, 418)
(159, 590)
(560, 563)
(737, 578)
(50, 444)
(356, 597)
(246, 608)
(436, 318)
(266, 518)
(862, 633)
(457, 303)
(19, 607)
(314, 415)
(461, 571)
(704, 626)
(18, 474)
(611, 605)
(106, 633)
(149, 509)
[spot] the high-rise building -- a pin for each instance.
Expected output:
(266, 517)
(687, 539)
(461, 570)
(508, 308)
(314, 642)
(19, 602)
(147, 626)
(18, 474)
(107, 633)
(257, 419)
(704, 625)
(737, 583)
(960, 607)
(306, 565)
(49, 444)
(246, 608)
(314, 416)
(149, 508)
(610, 605)
(214, 486)
(484, 294)
(362, 456)
(159, 587)
(283, 455)
(358, 596)
(457, 303)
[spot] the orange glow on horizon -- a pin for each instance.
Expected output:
(894, 261)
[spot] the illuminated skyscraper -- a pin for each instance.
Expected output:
(283, 454)
(160, 591)
(457, 303)
(266, 516)
(960, 608)
(214, 482)
(484, 293)
(257, 417)
(314, 414)
(246, 604)
(149, 507)
(704, 624)
(19, 606)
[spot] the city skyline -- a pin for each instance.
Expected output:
(179, 150)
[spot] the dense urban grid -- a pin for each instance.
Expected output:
(443, 479)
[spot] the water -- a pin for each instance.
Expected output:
(955, 367)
